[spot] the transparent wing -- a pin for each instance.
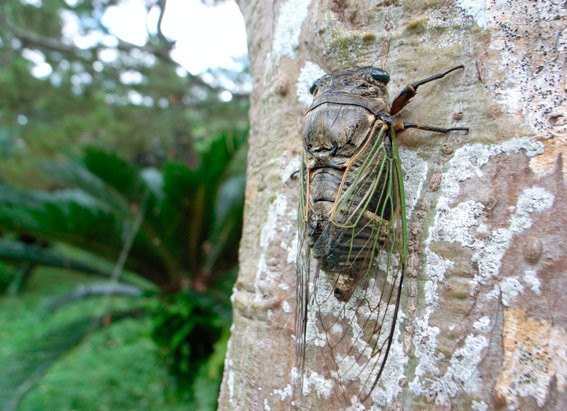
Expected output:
(354, 304)
(303, 268)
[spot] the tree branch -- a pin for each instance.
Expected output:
(32, 39)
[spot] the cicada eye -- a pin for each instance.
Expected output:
(380, 75)
(313, 87)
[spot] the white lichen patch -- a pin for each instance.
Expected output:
(425, 349)
(491, 250)
(435, 268)
(291, 16)
(228, 367)
(479, 406)
(283, 393)
(286, 307)
(414, 170)
(454, 224)
(531, 280)
(337, 329)
(356, 405)
(468, 161)
(476, 9)
(531, 200)
(316, 382)
(309, 73)
(274, 228)
(291, 248)
(314, 337)
(482, 324)
(462, 371)
(277, 208)
(509, 288)
(425, 336)
(290, 169)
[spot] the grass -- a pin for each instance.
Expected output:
(116, 368)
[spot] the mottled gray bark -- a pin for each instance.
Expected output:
(483, 315)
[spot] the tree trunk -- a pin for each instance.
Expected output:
(483, 319)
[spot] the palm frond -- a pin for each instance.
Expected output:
(26, 367)
(15, 251)
(74, 174)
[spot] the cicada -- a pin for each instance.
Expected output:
(352, 226)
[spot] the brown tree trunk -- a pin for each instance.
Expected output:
(483, 317)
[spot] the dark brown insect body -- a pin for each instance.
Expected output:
(336, 134)
(352, 222)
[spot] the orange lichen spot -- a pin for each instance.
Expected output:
(249, 191)
(545, 162)
(535, 352)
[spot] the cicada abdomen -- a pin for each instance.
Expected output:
(352, 225)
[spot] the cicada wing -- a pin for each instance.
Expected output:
(356, 306)
(396, 258)
(303, 268)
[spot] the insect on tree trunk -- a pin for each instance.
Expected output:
(481, 323)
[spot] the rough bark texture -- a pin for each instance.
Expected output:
(483, 318)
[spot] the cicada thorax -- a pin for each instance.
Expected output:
(346, 226)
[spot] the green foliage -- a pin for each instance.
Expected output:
(184, 226)
(150, 195)
(30, 363)
(16, 251)
(190, 219)
(192, 330)
(7, 275)
(114, 368)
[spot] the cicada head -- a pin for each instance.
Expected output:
(344, 108)
(368, 82)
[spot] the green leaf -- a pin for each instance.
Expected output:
(16, 251)
(116, 172)
(76, 175)
(230, 201)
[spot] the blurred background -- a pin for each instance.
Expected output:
(123, 127)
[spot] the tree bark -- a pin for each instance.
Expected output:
(483, 319)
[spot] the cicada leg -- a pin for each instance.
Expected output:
(399, 127)
(410, 90)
